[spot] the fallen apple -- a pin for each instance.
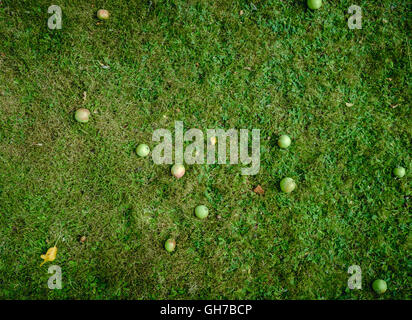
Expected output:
(287, 185)
(82, 115)
(201, 212)
(399, 172)
(170, 245)
(379, 286)
(314, 4)
(284, 141)
(142, 150)
(103, 14)
(178, 170)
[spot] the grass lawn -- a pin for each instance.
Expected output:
(342, 96)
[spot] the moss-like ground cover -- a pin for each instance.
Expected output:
(342, 96)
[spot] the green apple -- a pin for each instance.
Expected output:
(287, 185)
(142, 150)
(82, 115)
(170, 245)
(379, 286)
(178, 170)
(201, 212)
(399, 172)
(314, 4)
(103, 14)
(284, 141)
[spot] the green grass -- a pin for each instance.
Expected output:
(278, 67)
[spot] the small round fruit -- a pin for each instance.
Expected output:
(82, 115)
(399, 172)
(142, 150)
(103, 14)
(314, 4)
(178, 170)
(287, 185)
(202, 212)
(379, 286)
(284, 141)
(170, 245)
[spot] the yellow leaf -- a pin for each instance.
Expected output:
(49, 256)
